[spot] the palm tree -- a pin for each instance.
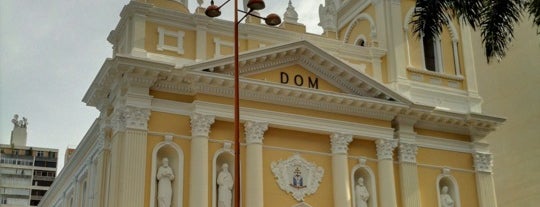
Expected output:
(495, 18)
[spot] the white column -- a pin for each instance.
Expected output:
(408, 172)
(198, 189)
(130, 126)
(254, 159)
(340, 169)
(387, 183)
(485, 186)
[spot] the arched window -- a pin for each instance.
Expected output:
(360, 42)
(432, 53)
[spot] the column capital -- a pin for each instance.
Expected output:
(130, 117)
(407, 152)
(483, 162)
(200, 124)
(385, 148)
(340, 142)
(255, 132)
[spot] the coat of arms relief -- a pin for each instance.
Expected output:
(297, 176)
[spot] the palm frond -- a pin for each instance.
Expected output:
(467, 11)
(533, 8)
(429, 17)
(497, 26)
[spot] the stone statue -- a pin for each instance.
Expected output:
(327, 16)
(19, 123)
(165, 176)
(446, 199)
(361, 193)
(225, 186)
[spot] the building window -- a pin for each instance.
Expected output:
(361, 42)
(40, 154)
(432, 54)
(52, 154)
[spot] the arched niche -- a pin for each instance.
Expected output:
(174, 153)
(364, 171)
(445, 179)
(222, 156)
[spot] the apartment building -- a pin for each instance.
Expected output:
(26, 172)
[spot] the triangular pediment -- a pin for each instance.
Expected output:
(302, 65)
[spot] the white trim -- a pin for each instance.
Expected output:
(179, 174)
(296, 122)
(179, 35)
(218, 43)
(360, 17)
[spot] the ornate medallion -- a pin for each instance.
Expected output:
(297, 176)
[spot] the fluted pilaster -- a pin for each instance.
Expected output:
(200, 129)
(254, 159)
(340, 169)
(387, 184)
(410, 188)
(483, 164)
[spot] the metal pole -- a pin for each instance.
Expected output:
(236, 112)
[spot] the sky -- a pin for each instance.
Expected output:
(50, 52)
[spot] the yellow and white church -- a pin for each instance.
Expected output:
(363, 115)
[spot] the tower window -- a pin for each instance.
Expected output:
(432, 54)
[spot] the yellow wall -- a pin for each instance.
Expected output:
(168, 123)
(451, 159)
(274, 196)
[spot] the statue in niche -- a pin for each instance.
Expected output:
(225, 187)
(165, 176)
(446, 199)
(361, 193)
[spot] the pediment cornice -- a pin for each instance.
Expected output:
(312, 58)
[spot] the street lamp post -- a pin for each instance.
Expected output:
(271, 20)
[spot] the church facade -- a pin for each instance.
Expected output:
(363, 115)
